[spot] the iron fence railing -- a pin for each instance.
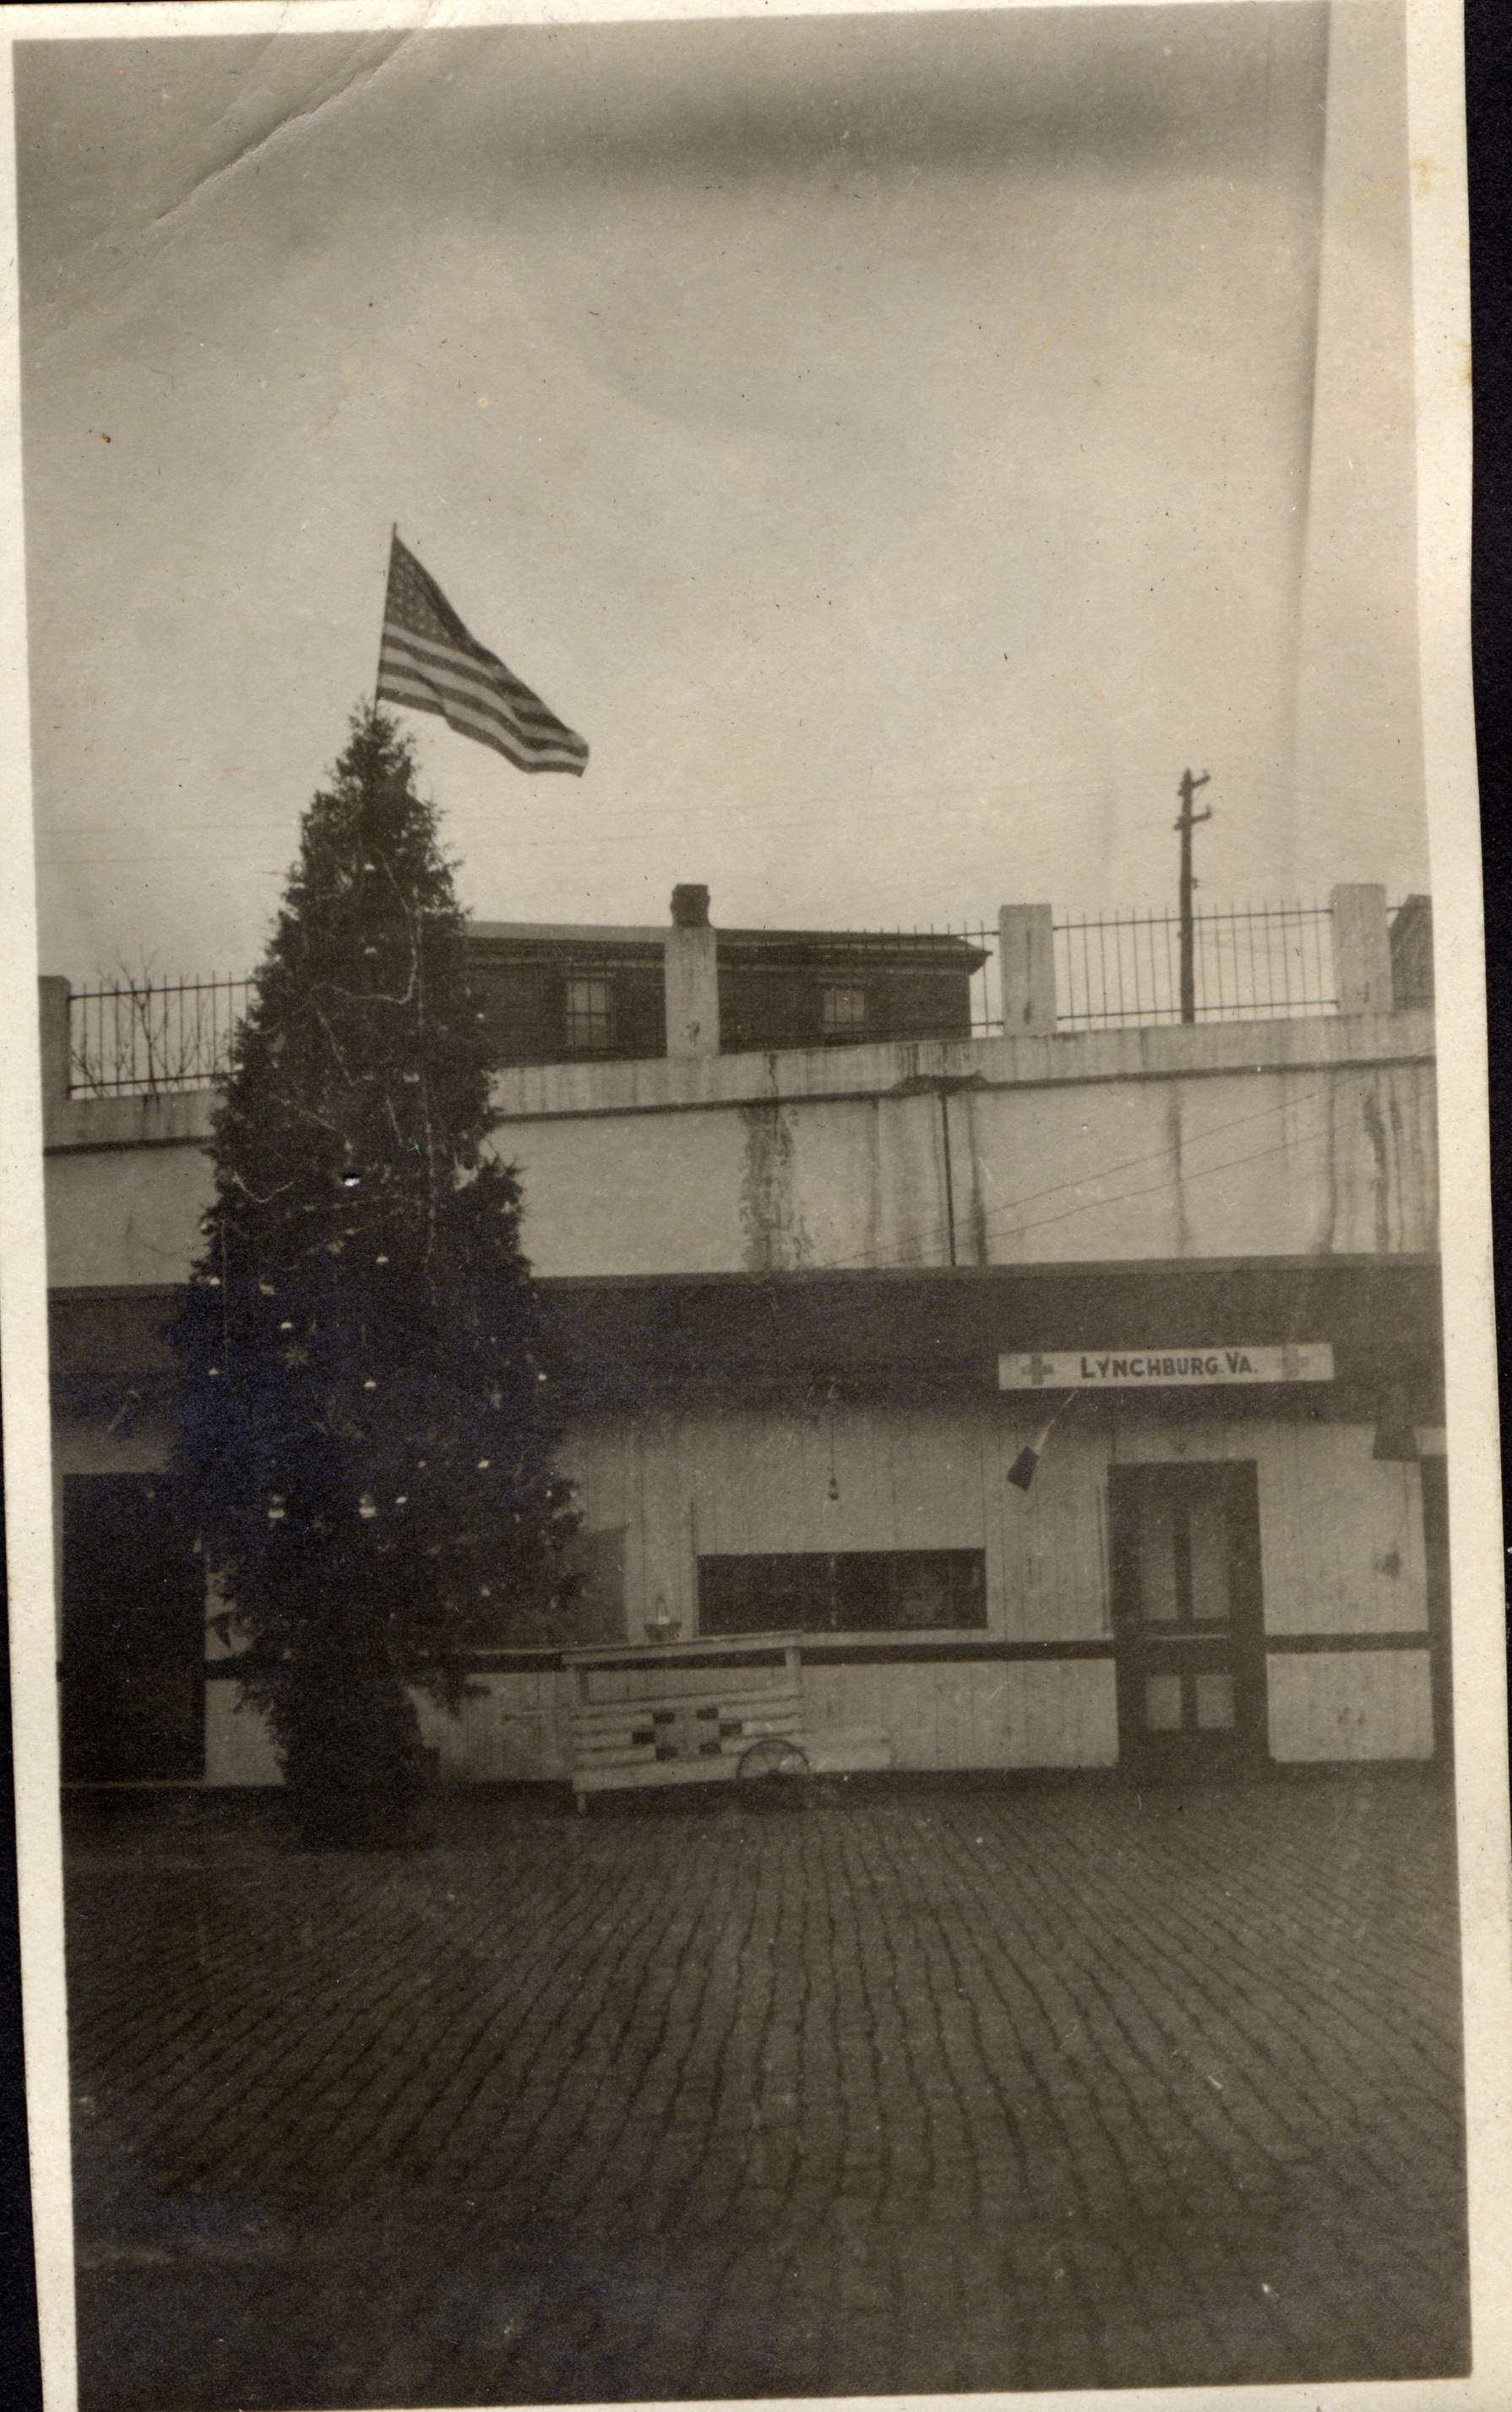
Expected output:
(1260, 962)
(1251, 962)
(152, 1037)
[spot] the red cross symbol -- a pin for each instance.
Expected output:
(1040, 1369)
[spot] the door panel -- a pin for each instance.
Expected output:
(1187, 1618)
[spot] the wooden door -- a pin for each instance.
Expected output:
(1187, 1619)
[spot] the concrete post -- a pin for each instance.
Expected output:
(1026, 964)
(692, 975)
(1361, 950)
(52, 996)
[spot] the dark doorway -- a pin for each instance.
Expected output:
(1185, 1548)
(133, 1637)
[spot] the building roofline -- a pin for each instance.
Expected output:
(570, 932)
(944, 941)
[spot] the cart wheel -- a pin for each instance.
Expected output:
(773, 1755)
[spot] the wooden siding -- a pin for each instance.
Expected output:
(1062, 1713)
(973, 1714)
(1342, 1545)
(515, 1727)
(938, 1718)
(1338, 1705)
(745, 1481)
(238, 1748)
(1350, 1704)
(1340, 1532)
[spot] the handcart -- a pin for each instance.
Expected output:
(661, 1712)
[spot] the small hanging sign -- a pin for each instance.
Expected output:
(1160, 1369)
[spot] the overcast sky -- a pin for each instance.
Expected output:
(886, 440)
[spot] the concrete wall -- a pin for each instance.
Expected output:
(1236, 1140)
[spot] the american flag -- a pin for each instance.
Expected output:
(430, 662)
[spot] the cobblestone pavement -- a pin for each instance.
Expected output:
(935, 2088)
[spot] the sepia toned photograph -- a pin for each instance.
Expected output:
(737, 860)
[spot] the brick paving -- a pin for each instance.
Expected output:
(943, 2088)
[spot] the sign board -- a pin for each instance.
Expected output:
(1165, 1369)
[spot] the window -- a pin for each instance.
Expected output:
(590, 1016)
(843, 1012)
(843, 1591)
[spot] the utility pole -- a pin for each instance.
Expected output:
(1188, 822)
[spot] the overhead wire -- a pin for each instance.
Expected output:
(934, 1235)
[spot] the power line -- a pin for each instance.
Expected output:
(1124, 1197)
(1126, 1164)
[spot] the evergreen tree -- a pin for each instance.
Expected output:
(367, 1429)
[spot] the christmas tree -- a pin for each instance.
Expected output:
(367, 1428)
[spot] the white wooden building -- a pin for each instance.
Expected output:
(814, 1302)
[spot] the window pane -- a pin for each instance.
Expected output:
(1209, 1528)
(1163, 1703)
(845, 1009)
(1215, 1701)
(590, 1014)
(922, 1594)
(778, 1593)
(1157, 1560)
(863, 1591)
(855, 1591)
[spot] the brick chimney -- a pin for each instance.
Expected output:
(692, 975)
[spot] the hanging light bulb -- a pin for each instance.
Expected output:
(275, 1509)
(834, 1485)
(367, 1506)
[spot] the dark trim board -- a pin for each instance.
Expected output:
(124, 1146)
(817, 1652)
(922, 1653)
(1296, 1645)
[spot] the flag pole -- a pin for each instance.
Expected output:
(387, 573)
(1021, 1472)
